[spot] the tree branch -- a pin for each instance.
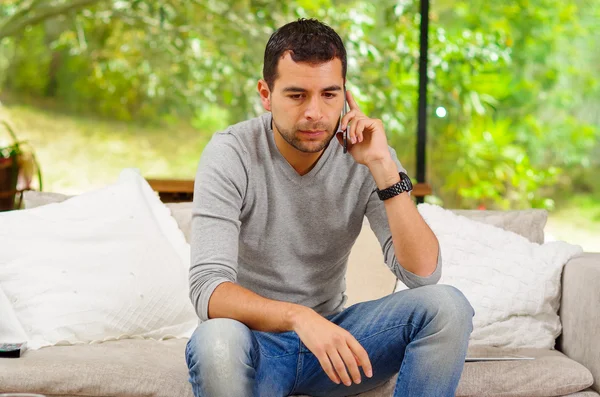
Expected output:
(23, 9)
(28, 17)
(142, 20)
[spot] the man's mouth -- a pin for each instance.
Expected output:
(312, 133)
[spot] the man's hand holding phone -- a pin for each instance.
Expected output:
(338, 352)
(366, 139)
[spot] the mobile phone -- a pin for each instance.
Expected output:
(12, 350)
(344, 132)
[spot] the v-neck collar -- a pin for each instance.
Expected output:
(286, 167)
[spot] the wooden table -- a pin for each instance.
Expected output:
(177, 190)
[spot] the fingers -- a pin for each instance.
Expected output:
(343, 359)
(328, 368)
(362, 355)
(337, 351)
(351, 362)
(356, 131)
(351, 116)
(347, 118)
(351, 102)
(339, 366)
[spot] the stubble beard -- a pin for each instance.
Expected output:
(290, 136)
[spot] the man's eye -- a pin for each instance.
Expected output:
(297, 96)
(329, 95)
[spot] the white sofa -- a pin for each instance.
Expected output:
(157, 368)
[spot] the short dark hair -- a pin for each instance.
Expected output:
(309, 40)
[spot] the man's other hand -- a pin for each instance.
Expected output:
(338, 352)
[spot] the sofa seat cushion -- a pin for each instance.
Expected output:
(550, 374)
(585, 393)
(127, 367)
(135, 367)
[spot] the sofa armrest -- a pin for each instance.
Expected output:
(580, 313)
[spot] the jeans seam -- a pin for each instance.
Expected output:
(385, 330)
(299, 364)
(256, 356)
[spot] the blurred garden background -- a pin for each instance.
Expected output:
(514, 92)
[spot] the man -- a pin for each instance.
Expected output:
(277, 208)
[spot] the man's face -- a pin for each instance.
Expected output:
(306, 102)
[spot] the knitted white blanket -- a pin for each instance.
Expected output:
(513, 284)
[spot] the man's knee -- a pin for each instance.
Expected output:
(217, 345)
(446, 304)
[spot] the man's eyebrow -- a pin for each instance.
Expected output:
(300, 89)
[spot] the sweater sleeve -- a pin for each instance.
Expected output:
(378, 222)
(219, 191)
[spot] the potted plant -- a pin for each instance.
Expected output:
(18, 167)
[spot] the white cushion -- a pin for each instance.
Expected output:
(512, 283)
(106, 264)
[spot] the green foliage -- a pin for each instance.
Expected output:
(31, 56)
(517, 79)
(494, 171)
(211, 118)
(81, 153)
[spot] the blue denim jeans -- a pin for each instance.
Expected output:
(421, 334)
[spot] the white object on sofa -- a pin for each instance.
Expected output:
(106, 264)
(512, 283)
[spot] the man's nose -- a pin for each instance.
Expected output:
(314, 108)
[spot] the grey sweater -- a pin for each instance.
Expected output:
(258, 223)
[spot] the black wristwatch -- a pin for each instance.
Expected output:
(405, 185)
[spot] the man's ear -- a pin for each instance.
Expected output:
(265, 94)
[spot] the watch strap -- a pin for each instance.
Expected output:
(404, 185)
